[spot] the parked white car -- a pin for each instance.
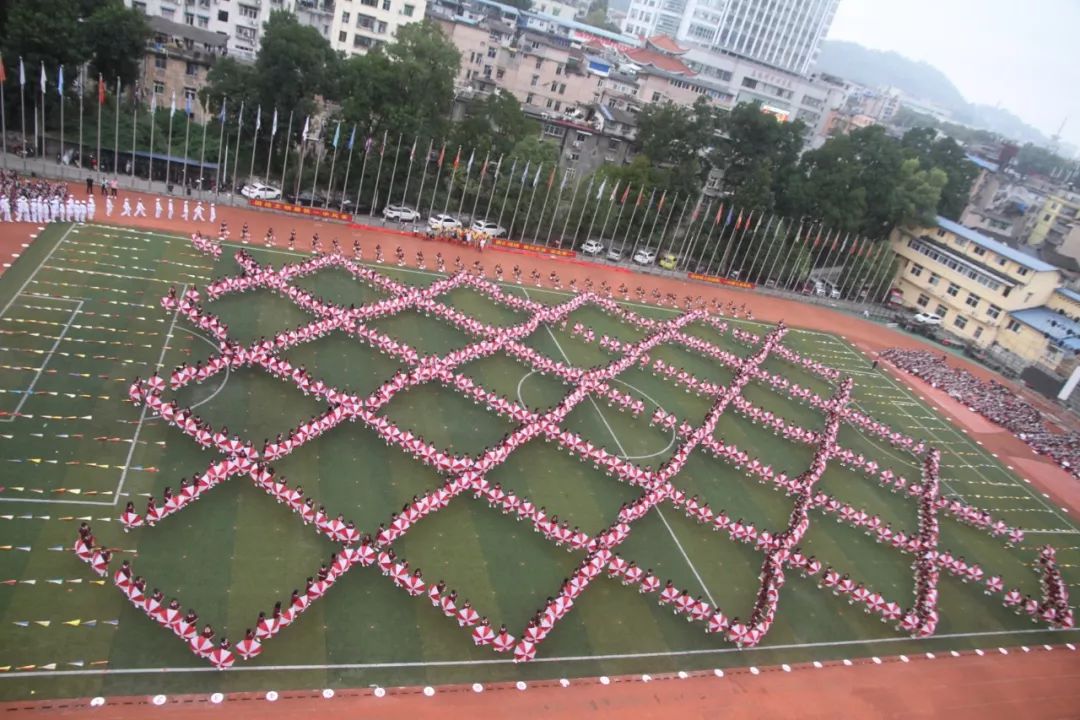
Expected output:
(400, 213)
(614, 254)
(443, 222)
(592, 246)
(928, 319)
(488, 227)
(645, 256)
(258, 191)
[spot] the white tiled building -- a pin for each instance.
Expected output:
(360, 25)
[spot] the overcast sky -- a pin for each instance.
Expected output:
(1021, 54)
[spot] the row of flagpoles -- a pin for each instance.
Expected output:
(718, 239)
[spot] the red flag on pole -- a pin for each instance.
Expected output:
(551, 178)
(100, 90)
(457, 158)
(738, 221)
(719, 214)
(3, 72)
(625, 194)
(637, 203)
(442, 154)
(663, 199)
(817, 240)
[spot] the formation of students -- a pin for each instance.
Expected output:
(995, 402)
(467, 474)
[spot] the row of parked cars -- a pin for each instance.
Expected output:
(643, 256)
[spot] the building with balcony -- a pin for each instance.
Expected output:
(976, 284)
(360, 25)
(177, 60)
(1051, 223)
(1048, 335)
(240, 21)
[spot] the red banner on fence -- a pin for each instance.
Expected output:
(543, 249)
(721, 281)
(301, 210)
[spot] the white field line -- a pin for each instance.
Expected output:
(36, 270)
(37, 376)
(500, 661)
(142, 415)
(622, 451)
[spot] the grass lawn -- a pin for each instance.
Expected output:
(81, 319)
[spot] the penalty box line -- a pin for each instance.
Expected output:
(623, 452)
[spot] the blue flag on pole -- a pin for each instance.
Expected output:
(352, 137)
(60, 81)
(337, 134)
(730, 214)
(187, 104)
(221, 115)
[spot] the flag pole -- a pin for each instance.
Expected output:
(509, 183)
(667, 222)
(135, 133)
(607, 215)
(378, 175)
(236, 159)
(517, 203)
(393, 174)
(168, 151)
(789, 284)
(202, 150)
(43, 147)
(494, 184)
(285, 159)
(644, 215)
(720, 239)
(408, 173)
(22, 108)
(333, 164)
(319, 148)
(187, 138)
(570, 210)
(3, 112)
(348, 166)
(60, 92)
(480, 187)
(547, 196)
(596, 210)
(153, 122)
(101, 101)
(779, 241)
(363, 170)
(116, 134)
(453, 175)
(220, 145)
(423, 174)
(532, 198)
(255, 142)
(686, 250)
(438, 175)
(270, 151)
(82, 92)
(465, 187)
(708, 239)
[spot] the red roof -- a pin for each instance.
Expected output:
(644, 56)
(666, 44)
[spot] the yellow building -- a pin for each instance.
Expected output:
(1058, 214)
(973, 282)
(1048, 334)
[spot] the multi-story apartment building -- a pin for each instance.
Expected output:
(784, 34)
(177, 60)
(977, 285)
(1060, 212)
(360, 25)
(1049, 334)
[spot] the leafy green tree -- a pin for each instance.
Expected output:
(294, 63)
(493, 125)
(597, 16)
(1035, 160)
(947, 155)
(115, 37)
(233, 80)
(758, 156)
(43, 32)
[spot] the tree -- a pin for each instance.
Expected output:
(294, 63)
(947, 155)
(1035, 160)
(758, 156)
(115, 38)
(44, 32)
(597, 16)
(230, 79)
(493, 125)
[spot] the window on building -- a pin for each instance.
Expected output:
(529, 99)
(916, 270)
(191, 69)
(140, 6)
(550, 102)
(246, 11)
(1022, 271)
(656, 97)
(923, 300)
(362, 42)
(499, 73)
(934, 279)
(408, 10)
(539, 63)
(1013, 326)
(978, 332)
(168, 13)
(161, 62)
(558, 69)
(222, 15)
(1046, 217)
(386, 5)
(613, 144)
(159, 88)
(960, 321)
(346, 18)
(535, 80)
(942, 311)
(382, 27)
(343, 37)
(189, 18)
(492, 52)
(953, 290)
(367, 22)
(980, 251)
(972, 300)
(993, 312)
(203, 21)
(557, 106)
(370, 3)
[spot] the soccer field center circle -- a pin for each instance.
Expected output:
(658, 453)
(219, 389)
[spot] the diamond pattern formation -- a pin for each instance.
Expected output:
(466, 474)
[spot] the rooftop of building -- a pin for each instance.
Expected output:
(665, 44)
(612, 114)
(161, 26)
(995, 246)
(1063, 330)
(984, 164)
(651, 58)
(1071, 294)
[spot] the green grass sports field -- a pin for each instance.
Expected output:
(80, 318)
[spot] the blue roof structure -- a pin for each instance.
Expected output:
(1062, 330)
(1000, 248)
(984, 164)
(1071, 294)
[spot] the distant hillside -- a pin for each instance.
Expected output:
(877, 68)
